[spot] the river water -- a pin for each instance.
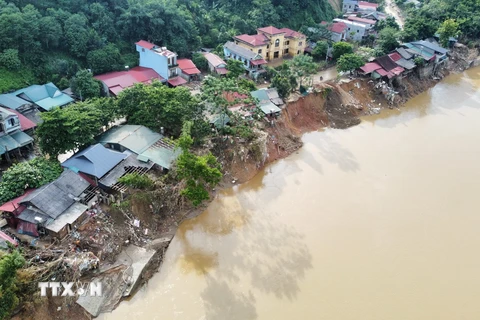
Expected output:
(377, 222)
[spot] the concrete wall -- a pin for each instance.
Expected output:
(349, 5)
(357, 29)
(150, 59)
(297, 46)
(425, 71)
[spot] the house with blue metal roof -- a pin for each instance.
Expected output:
(145, 143)
(46, 96)
(94, 162)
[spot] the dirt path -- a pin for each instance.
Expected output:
(392, 9)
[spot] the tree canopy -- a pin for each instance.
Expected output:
(84, 85)
(25, 175)
(73, 127)
(101, 35)
(10, 263)
(199, 172)
(341, 48)
(448, 29)
(349, 62)
(387, 39)
(158, 106)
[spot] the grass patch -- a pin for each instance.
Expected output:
(14, 80)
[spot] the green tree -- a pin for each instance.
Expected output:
(84, 85)
(77, 35)
(31, 174)
(157, 106)
(235, 68)
(389, 22)
(320, 50)
(9, 59)
(387, 39)
(105, 59)
(448, 29)
(417, 28)
(10, 263)
(341, 48)
(302, 67)
(137, 181)
(198, 172)
(70, 128)
(349, 62)
(200, 61)
(283, 85)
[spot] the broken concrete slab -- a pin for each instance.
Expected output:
(113, 287)
(118, 280)
(137, 258)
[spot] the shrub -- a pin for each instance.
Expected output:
(9, 59)
(32, 174)
(136, 181)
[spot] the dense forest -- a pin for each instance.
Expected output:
(49, 40)
(423, 22)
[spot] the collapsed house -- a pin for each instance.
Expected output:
(269, 102)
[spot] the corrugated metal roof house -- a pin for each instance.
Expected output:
(53, 205)
(45, 96)
(95, 161)
(147, 144)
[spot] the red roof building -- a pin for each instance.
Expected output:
(289, 33)
(395, 56)
(177, 81)
(13, 205)
(117, 81)
(25, 123)
(271, 30)
(370, 67)
(188, 67)
(338, 27)
(254, 40)
(368, 4)
(145, 44)
(361, 20)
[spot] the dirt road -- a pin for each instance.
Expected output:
(392, 9)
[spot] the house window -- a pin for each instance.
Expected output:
(277, 42)
(358, 31)
(300, 44)
(268, 46)
(12, 121)
(287, 42)
(259, 51)
(298, 52)
(349, 28)
(275, 55)
(285, 51)
(143, 49)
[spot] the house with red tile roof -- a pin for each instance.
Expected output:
(272, 43)
(188, 70)
(115, 82)
(338, 31)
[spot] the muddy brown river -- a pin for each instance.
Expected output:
(377, 222)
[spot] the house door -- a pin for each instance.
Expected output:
(275, 55)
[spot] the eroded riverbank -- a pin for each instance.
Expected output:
(377, 220)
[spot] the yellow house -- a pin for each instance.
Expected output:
(273, 43)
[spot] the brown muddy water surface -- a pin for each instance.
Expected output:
(377, 222)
